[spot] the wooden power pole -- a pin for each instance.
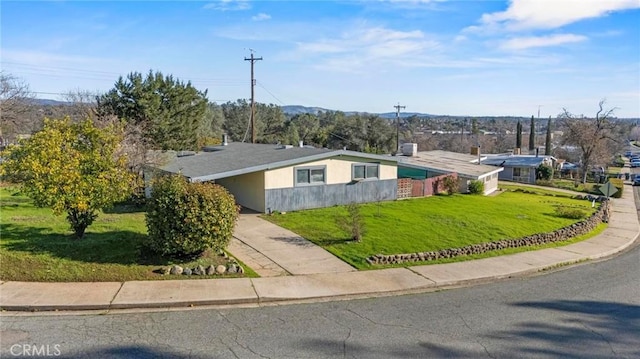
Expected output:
(253, 103)
(398, 107)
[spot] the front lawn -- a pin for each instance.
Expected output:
(433, 223)
(35, 245)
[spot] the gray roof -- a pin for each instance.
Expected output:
(448, 162)
(515, 160)
(238, 158)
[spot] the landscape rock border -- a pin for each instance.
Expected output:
(562, 234)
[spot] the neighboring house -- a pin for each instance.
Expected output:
(428, 164)
(268, 178)
(519, 168)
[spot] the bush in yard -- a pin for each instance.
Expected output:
(450, 184)
(353, 222)
(570, 212)
(544, 172)
(184, 219)
(619, 184)
(476, 187)
(73, 168)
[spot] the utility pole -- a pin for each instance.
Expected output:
(253, 103)
(398, 107)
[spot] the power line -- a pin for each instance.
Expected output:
(269, 92)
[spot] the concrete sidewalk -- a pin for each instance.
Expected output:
(622, 232)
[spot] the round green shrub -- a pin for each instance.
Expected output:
(544, 172)
(450, 184)
(476, 187)
(184, 219)
(570, 212)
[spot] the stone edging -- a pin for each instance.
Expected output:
(562, 234)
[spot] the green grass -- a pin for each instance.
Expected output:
(35, 245)
(433, 223)
(571, 185)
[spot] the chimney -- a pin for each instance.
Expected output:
(225, 139)
(301, 144)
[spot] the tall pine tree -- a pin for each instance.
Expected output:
(169, 111)
(532, 135)
(547, 144)
(519, 135)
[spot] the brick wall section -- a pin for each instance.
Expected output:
(404, 187)
(574, 230)
(408, 187)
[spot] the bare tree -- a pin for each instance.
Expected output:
(15, 102)
(80, 104)
(593, 137)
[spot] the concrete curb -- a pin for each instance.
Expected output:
(622, 233)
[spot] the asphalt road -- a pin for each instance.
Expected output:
(587, 311)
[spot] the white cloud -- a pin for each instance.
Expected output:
(528, 14)
(368, 46)
(261, 17)
(521, 43)
(228, 5)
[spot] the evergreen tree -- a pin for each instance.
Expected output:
(547, 144)
(519, 135)
(169, 111)
(474, 126)
(532, 135)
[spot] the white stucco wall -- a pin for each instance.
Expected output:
(248, 189)
(490, 184)
(338, 170)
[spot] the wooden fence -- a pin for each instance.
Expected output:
(408, 187)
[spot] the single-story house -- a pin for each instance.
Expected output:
(427, 164)
(519, 168)
(268, 178)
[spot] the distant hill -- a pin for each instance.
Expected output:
(49, 102)
(297, 109)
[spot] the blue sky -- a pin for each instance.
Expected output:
(440, 57)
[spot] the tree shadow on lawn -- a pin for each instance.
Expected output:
(114, 247)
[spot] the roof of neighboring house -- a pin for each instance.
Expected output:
(448, 162)
(238, 158)
(516, 160)
(448, 155)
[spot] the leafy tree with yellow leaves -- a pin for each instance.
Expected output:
(73, 168)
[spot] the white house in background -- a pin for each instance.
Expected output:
(426, 164)
(519, 168)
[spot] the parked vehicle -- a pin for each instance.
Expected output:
(636, 181)
(635, 164)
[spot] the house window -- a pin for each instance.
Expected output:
(310, 175)
(521, 174)
(362, 171)
(516, 172)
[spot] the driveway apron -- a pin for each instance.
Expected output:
(289, 251)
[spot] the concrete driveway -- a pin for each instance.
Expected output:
(274, 251)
